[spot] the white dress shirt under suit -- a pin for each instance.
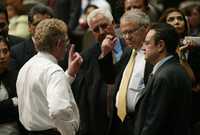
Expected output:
(136, 84)
(45, 97)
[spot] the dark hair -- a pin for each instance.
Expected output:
(40, 9)
(3, 39)
(168, 34)
(163, 19)
(3, 11)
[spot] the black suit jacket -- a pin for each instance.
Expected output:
(164, 108)
(21, 53)
(90, 90)
(8, 112)
(68, 11)
(194, 62)
(13, 40)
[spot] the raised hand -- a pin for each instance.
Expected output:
(74, 62)
(108, 45)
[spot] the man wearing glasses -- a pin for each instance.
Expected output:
(131, 82)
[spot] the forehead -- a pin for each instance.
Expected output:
(150, 35)
(3, 45)
(128, 24)
(174, 14)
(134, 2)
(98, 19)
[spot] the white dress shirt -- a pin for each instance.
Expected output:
(136, 83)
(45, 97)
(3, 92)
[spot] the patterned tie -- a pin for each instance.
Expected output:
(121, 111)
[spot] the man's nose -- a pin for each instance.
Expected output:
(101, 30)
(176, 21)
(2, 55)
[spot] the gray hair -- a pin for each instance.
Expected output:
(106, 13)
(136, 16)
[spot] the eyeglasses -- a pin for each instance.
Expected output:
(131, 32)
(100, 27)
(66, 42)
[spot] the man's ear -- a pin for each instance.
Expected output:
(161, 45)
(59, 43)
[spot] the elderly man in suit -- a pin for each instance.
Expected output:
(97, 74)
(135, 71)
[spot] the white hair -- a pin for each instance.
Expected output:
(136, 16)
(105, 13)
(101, 4)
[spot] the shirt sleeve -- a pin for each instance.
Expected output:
(62, 107)
(70, 79)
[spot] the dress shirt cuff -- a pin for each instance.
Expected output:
(69, 77)
(15, 101)
(65, 122)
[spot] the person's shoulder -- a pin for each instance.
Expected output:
(170, 69)
(14, 40)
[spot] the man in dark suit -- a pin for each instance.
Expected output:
(97, 74)
(164, 108)
(22, 52)
(69, 11)
(12, 40)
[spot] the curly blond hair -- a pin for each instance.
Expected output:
(48, 32)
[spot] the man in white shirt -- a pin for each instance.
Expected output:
(45, 100)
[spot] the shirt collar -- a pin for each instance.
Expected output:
(48, 56)
(160, 63)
